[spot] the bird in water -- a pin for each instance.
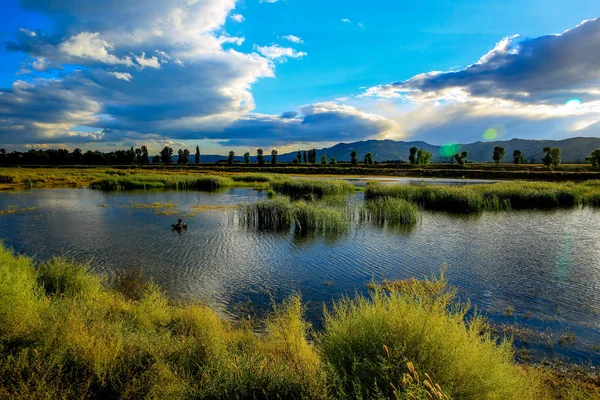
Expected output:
(179, 226)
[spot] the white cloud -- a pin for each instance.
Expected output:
(41, 64)
(361, 25)
(151, 62)
(345, 20)
(277, 52)
(293, 39)
(87, 45)
(126, 76)
(238, 17)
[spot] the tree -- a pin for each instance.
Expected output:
(299, 157)
(231, 157)
(273, 157)
(145, 158)
(324, 159)
(413, 155)
(354, 160)
(312, 156)
(247, 158)
(260, 156)
(156, 159)
(77, 156)
(166, 154)
(333, 161)
(183, 156)
(369, 160)
(518, 157)
(197, 159)
(423, 157)
(498, 154)
(461, 158)
(552, 156)
(138, 156)
(3, 155)
(305, 157)
(594, 158)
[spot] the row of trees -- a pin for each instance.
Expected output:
(552, 157)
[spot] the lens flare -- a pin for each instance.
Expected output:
(494, 132)
(573, 103)
(449, 149)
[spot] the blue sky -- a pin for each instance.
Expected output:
(229, 74)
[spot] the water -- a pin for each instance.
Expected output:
(544, 265)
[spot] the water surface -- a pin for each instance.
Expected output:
(544, 265)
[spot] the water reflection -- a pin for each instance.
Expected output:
(544, 265)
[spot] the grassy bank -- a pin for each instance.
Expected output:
(491, 197)
(64, 334)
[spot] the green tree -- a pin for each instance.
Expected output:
(518, 157)
(324, 159)
(273, 157)
(145, 158)
(305, 157)
(333, 161)
(247, 158)
(369, 160)
(156, 159)
(77, 156)
(461, 158)
(260, 156)
(552, 156)
(183, 156)
(231, 157)
(299, 157)
(413, 155)
(498, 154)
(354, 159)
(197, 159)
(166, 154)
(594, 158)
(423, 157)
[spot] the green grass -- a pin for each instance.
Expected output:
(311, 188)
(283, 214)
(65, 334)
(177, 182)
(390, 211)
(491, 197)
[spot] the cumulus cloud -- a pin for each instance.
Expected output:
(277, 52)
(523, 84)
(293, 39)
(126, 76)
(86, 45)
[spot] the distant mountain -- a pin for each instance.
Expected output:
(573, 150)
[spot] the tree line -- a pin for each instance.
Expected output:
(551, 158)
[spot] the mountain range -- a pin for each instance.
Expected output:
(573, 150)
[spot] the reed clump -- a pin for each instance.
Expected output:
(283, 214)
(177, 182)
(390, 211)
(310, 189)
(489, 197)
(65, 334)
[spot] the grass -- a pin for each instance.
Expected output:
(491, 197)
(284, 214)
(177, 182)
(390, 211)
(14, 210)
(65, 334)
(310, 189)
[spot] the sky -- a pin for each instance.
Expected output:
(290, 74)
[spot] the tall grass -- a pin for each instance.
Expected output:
(390, 211)
(310, 189)
(179, 182)
(492, 197)
(284, 214)
(64, 334)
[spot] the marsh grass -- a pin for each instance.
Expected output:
(491, 197)
(14, 210)
(65, 334)
(311, 189)
(303, 217)
(176, 182)
(390, 211)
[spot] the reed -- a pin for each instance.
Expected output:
(310, 189)
(177, 182)
(390, 211)
(488, 197)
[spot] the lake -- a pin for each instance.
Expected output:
(545, 266)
